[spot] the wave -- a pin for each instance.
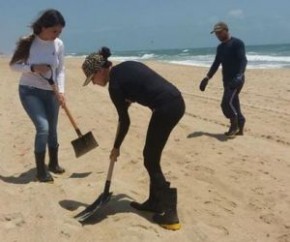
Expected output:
(259, 57)
(254, 61)
(269, 58)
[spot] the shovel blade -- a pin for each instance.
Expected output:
(94, 207)
(84, 144)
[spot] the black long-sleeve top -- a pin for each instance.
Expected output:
(132, 81)
(232, 56)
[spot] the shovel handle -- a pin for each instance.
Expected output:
(110, 171)
(109, 177)
(56, 92)
(54, 88)
(72, 120)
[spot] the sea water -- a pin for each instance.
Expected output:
(259, 56)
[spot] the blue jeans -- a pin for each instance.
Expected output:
(42, 107)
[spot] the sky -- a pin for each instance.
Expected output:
(149, 24)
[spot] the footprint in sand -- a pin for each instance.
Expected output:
(204, 173)
(221, 202)
(12, 220)
(216, 231)
(243, 172)
(268, 218)
(258, 190)
(284, 238)
(204, 169)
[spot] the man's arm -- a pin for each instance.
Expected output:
(211, 72)
(241, 58)
(215, 65)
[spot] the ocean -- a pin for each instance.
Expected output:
(259, 56)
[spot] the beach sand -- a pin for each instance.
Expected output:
(228, 190)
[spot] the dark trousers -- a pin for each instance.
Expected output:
(231, 104)
(162, 122)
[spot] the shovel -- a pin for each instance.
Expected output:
(85, 142)
(100, 201)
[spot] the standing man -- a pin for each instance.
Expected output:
(232, 56)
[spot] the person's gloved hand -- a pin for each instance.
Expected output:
(203, 83)
(236, 81)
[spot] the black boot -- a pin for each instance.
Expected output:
(152, 204)
(169, 219)
(42, 174)
(241, 127)
(53, 165)
(234, 128)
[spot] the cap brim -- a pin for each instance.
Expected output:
(88, 80)
(217, 30)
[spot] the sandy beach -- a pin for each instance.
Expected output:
(229, 190)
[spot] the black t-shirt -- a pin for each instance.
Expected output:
(132, 81)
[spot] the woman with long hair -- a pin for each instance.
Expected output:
(40, 55)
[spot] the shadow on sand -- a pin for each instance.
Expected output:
(23, 178)
(219, 137)
(118, 204)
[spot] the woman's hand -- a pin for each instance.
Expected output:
(61, 99)
(115, 153)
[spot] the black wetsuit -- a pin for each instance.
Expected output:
(231, 55)
(132, 81)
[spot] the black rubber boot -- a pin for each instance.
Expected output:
(234, 128)
(241, 127)
(152, 204)
(42, 174)
(53, 165)
(169, 218)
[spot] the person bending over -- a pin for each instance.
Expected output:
(131, 82)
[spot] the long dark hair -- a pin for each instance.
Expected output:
(47, 18)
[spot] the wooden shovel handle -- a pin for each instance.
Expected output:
(68, 113)
(71, 120)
